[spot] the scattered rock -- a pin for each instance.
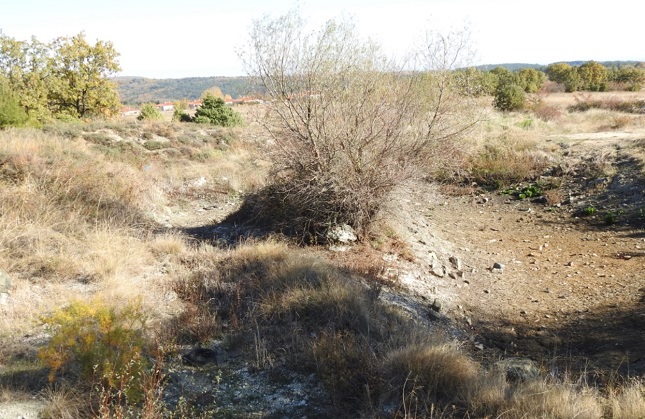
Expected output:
(342, 233)
(339, 248)
(518, 369)
(456, 263)
(198, 357)
(497, 267)
(437, 269)
(436, 305)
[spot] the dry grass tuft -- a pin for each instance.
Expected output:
(421, 377)
(542, 399)
(64, 402)
(628, 401)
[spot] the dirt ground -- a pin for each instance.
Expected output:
(571, 294)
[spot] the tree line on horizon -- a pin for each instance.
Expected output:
(69, 78)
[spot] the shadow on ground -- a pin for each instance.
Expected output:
(602, 343)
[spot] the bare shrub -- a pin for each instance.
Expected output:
(552, 87)
(348, 123)
(538, 105)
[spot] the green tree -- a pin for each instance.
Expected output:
(80, 72)
(24, 66)
(630, 76)
(149, 112)
(509, 97)
(215, 111)
(11, 113)
(503, 77)
(530, 79)
(593, 76)
(565, 74)
(474, 82)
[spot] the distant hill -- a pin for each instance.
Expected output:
(137, 90)
(542, 67)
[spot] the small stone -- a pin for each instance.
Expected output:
(456, 263)
(518, 369)
(339, 248)
(342, 233)
(436, 305)
(487, 291)
(200, 356)
(437, 269)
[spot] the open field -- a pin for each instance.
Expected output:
(415, 321)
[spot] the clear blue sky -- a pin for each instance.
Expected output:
(199, 38)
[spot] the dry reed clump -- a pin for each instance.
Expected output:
(420, 377)
(627, 401)
(64, 402)
(543, 399)
(507, 160)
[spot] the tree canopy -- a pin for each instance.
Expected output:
(68, 77)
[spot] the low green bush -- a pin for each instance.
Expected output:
(510, 97)
(104, 346)
(149, 112)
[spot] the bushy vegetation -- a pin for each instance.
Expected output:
(104, 344)
(595, 77)
(509, 97)
(214, 110)
(149, 112)
(66, 78)
(11, 113)
(348, 125)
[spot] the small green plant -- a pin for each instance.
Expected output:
(590, 211)
(526, 124)
(524, 193)
(610, 218)
(154, 145)
(102, 344)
